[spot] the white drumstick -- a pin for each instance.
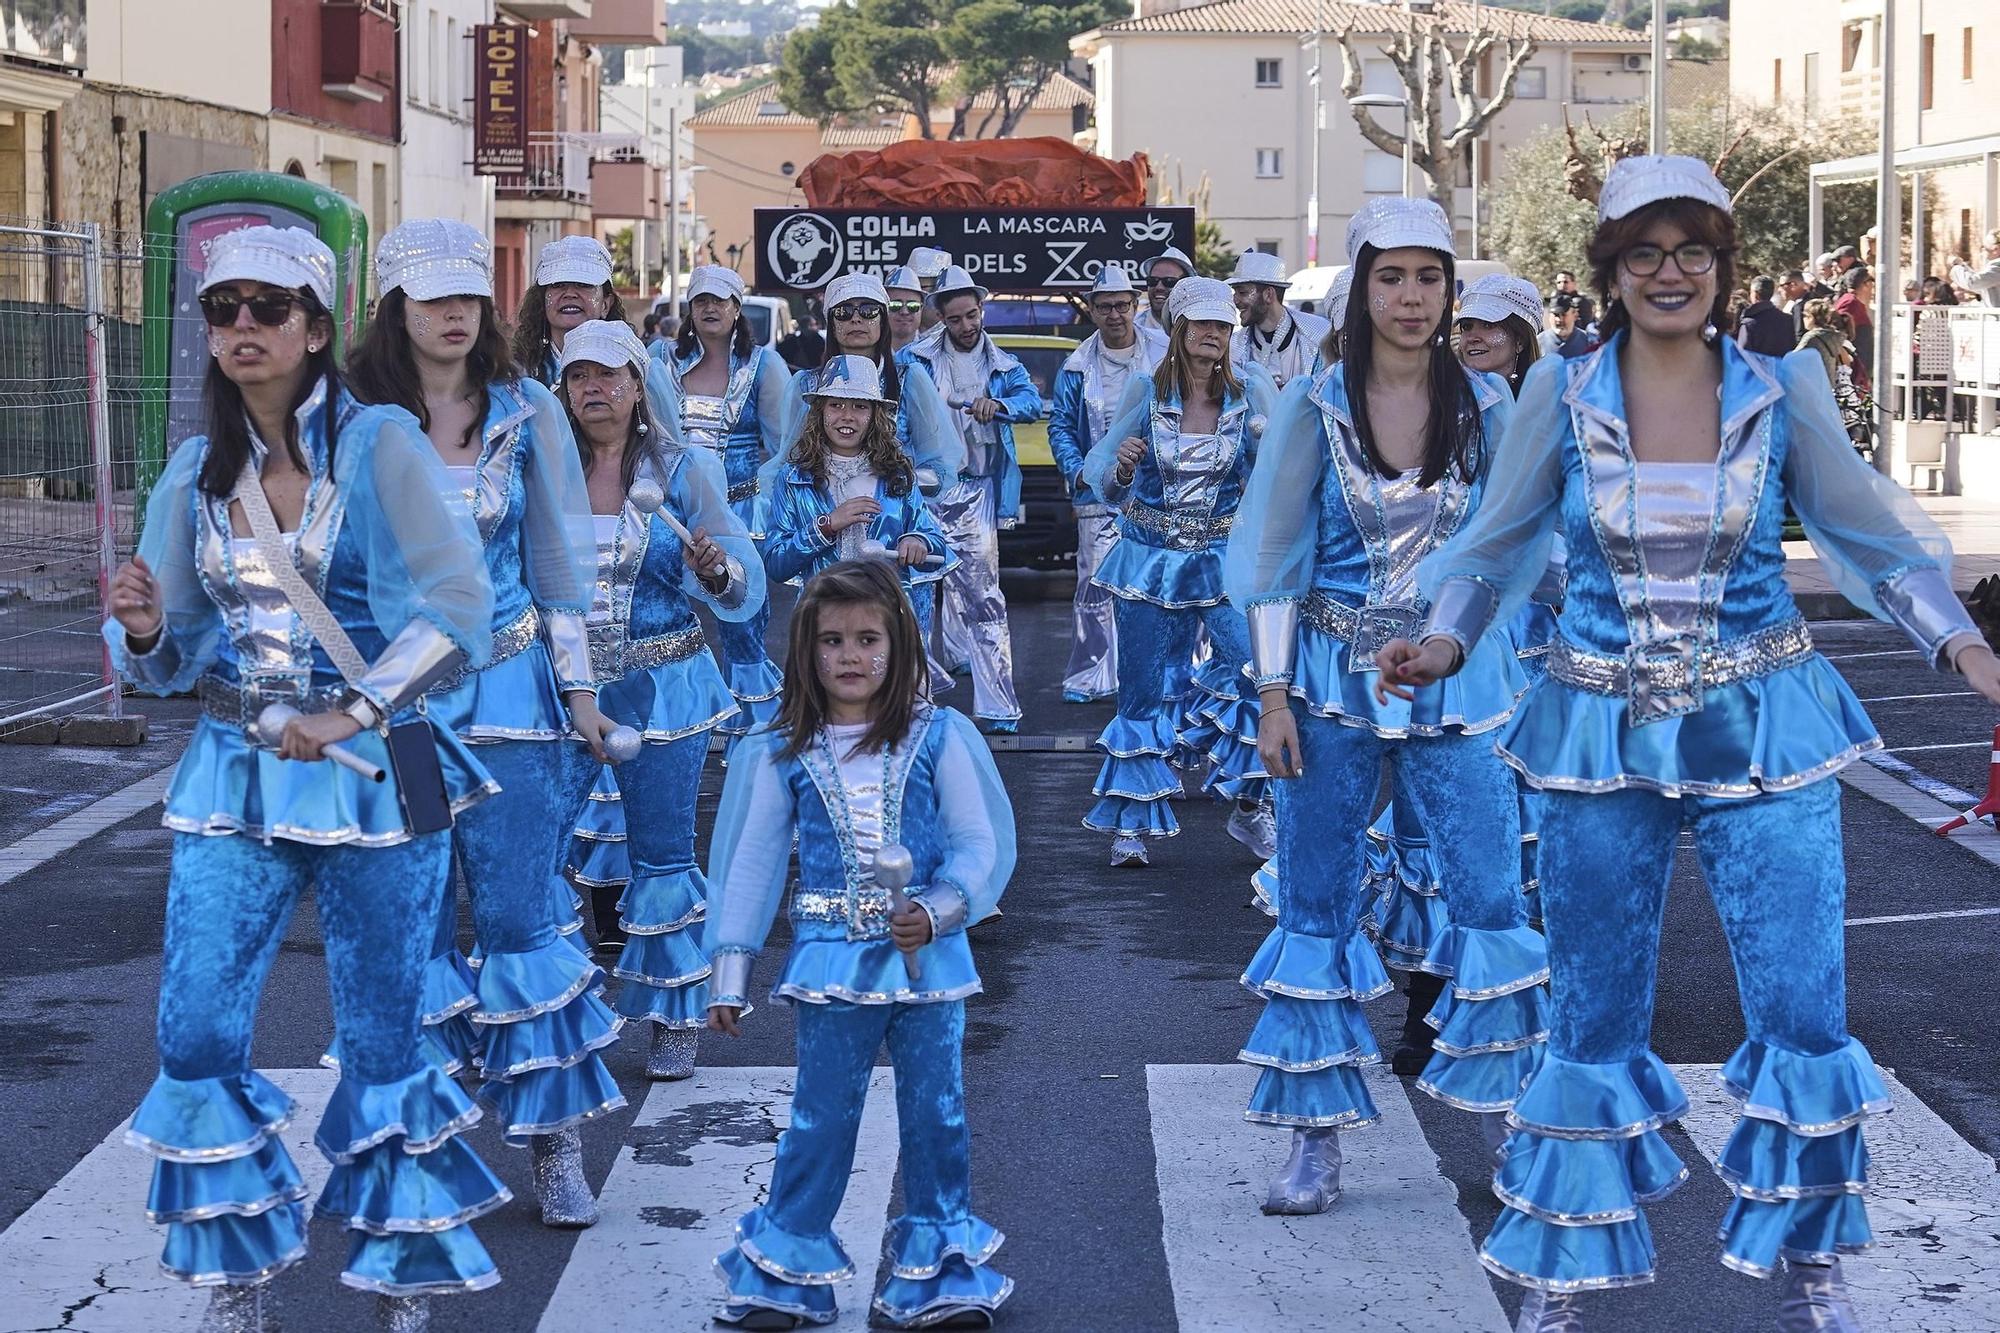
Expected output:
(271, 725)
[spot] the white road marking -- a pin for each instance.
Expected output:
(1902, 698)
(86, 1251)
(1922, 916)
(1922, 781)
(1394, 1245)
(46, 844)
(1880, 652)
(698, 1156)
(1948, 745)
(1981, 840)
(1932, 1200)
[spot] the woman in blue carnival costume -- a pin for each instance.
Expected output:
(652, 667)
(536, 1019)
(1364, 470)
(242, 542)
(1175, 458)
(1684, 692)
(860, 763)
(846, 490)
(730, 396)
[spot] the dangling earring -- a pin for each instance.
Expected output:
(1709, 332)
(312, 347)
(1438, 341)
(642, 430)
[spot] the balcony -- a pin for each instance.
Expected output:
(357, 43)
(623, 23)
(627, 189)
(558, 170)
(547, 9)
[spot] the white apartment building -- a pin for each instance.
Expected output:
(437, 179)
(1222, 90)
(656, 101)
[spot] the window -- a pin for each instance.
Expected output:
(454, 104)
(1810, 89)
(1965, 54)
(1777, 80)
(1267, 246)
(1270, 73)
(1850, 47)
(1532, 84)
(1926, 69)
(1270, 163)
(434, 80)
(1965, 231)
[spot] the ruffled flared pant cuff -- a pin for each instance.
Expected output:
(1400, 878)
(1491, 1018)
(542, 1020)
(772, 1269)
(940, 1267)
(663, 967)
(1135, 785)
(1312, 1038)
(1584, 1156)
(1219, 731)
(756, 686)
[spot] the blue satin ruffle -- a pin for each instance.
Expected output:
(1312, 1038)
(668, 702)
(1135, 782)
(515, 699)
(1491, 1018)
(1770, 733)
(1264, 888)
(663, 965)
(225, 785)
(1478, 697)
(938, 1266)
(1219, 730)
(755, 686)
(824, 965)
(768, 1268)
(1139, 572)
(541, 1022)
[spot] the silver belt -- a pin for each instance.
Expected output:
(1181, 529)
(510, 640)
(614, 658)
(1365, 629)
(1680, 667)
(238, 706)
(742, 490)
(865, 911)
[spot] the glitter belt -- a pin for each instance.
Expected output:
(510, 640)
(1366, 628)
(1188, 529)
(865, 911)
(743, 490)
(614, 658)
(238, 706)
(1679, 665)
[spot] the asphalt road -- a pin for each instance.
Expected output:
(1092, 976)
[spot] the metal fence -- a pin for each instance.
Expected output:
(70, 386)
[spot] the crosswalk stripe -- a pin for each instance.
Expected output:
(1396, 1246)
(84, 1255)
(698, 1156)
(1932, 1197)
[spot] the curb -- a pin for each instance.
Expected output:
(84, 729)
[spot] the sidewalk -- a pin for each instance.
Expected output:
(1972, 524)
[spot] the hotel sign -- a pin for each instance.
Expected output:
(500, 100)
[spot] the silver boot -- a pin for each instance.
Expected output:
(1494, 1129)
(559, 1184)
(403, 1314)
(1549, 1312)
(1310, 1181)
(239, 1310)
(670, 1057)
(1816, 1301)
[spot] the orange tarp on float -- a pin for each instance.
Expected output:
(982, 173)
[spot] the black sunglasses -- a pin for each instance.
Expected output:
(857, 310)
(905, 307)
(1165, 284)
(267, 308)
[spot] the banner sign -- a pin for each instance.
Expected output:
(500, 101)
(1004, 249)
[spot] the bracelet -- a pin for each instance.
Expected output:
(362, 709)
(1264, 711)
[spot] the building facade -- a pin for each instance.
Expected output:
(336, 100)
(434, 168)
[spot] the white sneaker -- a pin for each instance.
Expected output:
(1256, 829)
(1128, 851)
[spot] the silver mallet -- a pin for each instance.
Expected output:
(271, 725)
(647, 497)
(893, 868)
(622, 744)
(874, 550)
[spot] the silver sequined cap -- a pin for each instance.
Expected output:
(1496, 296)
(573, 259)
(1392, 223)
(1255, 266)
(855, 287)
(851, 377)
(1634, 182)
(715, 280)
(282, 256)
(604, 342)
(430, 258)
(1202, 298)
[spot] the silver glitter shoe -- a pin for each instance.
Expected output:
(403, 1314)
(1128, 851)
(1256, 828)
(239, 1310)
(1549, 1312)
(670, 1057)
(559, 1184)
(1816, 1300)
(1310, 1182)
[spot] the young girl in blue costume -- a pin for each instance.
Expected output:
(391, 584)
(1175, 459)
(1364, 470)
(729, 396)
(845, 490)
(536, 1019)
(860, 762)
(1684, 692)
(652, 667)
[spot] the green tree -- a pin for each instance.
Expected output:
(881, 56)
(1214, 257)
(1011, 50)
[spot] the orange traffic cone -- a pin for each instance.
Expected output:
(1989, 804)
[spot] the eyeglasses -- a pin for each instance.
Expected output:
(857, 310)
(1692, 258)
(905, 307)
(1164, 284)
(267, 308)
(1112, 308)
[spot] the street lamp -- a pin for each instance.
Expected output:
(1385, 101)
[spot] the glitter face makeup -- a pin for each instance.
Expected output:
(878, 665)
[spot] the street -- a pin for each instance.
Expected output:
(1104, 1098)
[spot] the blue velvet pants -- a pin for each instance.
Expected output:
(1585, 1142)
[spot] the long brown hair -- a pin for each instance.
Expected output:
(641, 434)
(1454, 433)
(886, 458)
(852, 583)
(1175, 373)
(532, 343)
(229, 424)
(382, 367)
(1701, 222)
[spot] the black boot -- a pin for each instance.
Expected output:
(604, 915)
(1413, 1052)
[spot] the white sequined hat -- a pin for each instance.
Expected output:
(1264, 269)
(1336, 297)
(1112, 278)
(430, 258)
(956, 282)
(1202, 298)
(604, 342)
(715, 280)
(282, 256)
(855, 287)
(1496, 296)
(1634, 182)
(1394, 222)
(929, 264)
(1169, 254)
(573, 259)
(903, 279)
(851, 377)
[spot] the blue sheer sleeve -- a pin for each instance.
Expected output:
(929, 435)
(1272, 544)
(663, 401)
(1261, 392)
(750, 848)
(559, 546)
(191, 627)
(700, 495)
(975, 819)
(774, 401)
(1134, 417)
(797, 405)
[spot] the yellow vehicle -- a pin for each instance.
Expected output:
(1046, 534)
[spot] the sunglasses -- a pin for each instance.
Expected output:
(1164, 284)
(905, 307)
(857, 310)
(267, 308)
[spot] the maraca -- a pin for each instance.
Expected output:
(893, 868)
(622, 744)
(270, 729)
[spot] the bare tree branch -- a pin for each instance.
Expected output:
(1350, 88)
